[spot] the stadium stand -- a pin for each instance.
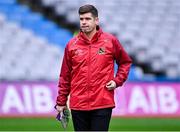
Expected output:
(148, 29)
(25, 56)
(27, 53)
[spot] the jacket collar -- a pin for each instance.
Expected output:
(82, 36)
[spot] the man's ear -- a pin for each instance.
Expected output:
(97, 20)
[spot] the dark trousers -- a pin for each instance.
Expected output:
(94, 120)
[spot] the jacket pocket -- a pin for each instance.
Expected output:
(108, 97)
(74, 101)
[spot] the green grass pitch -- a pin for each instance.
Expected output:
(117, 124)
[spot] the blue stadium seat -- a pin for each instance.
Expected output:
(35, 22)
(7, 1)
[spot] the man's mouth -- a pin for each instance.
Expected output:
(84, 26)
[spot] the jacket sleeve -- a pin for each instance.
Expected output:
(123, 61)
(64, 80)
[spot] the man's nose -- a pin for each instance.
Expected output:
(84, 21)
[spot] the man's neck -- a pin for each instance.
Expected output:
(91, 34)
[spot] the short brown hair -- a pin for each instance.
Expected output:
(88, 8)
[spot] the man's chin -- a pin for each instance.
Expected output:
(85, 31)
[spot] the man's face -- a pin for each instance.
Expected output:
(88, 22)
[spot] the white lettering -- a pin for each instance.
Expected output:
(167, 100)
(27, 98)
(42, 99)
(12, 100)
(138, 100)
(152, 99)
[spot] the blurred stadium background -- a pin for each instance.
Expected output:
(33, 34)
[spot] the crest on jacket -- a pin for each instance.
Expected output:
(101, 51)
(78, 52)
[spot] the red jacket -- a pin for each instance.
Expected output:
(87, 67)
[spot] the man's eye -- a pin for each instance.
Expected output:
(88, 18)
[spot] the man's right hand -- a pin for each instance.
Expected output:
(60, 108)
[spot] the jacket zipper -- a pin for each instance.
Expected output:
(89, 65)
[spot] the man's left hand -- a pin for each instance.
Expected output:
(111, 85)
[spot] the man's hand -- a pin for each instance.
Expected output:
(63, 115)
(111, 85)
(60, 108)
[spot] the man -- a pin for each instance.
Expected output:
(87, 73)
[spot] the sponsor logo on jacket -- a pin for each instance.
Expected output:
(101, 51)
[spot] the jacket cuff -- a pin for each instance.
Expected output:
(118, 83)
(60, 104)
